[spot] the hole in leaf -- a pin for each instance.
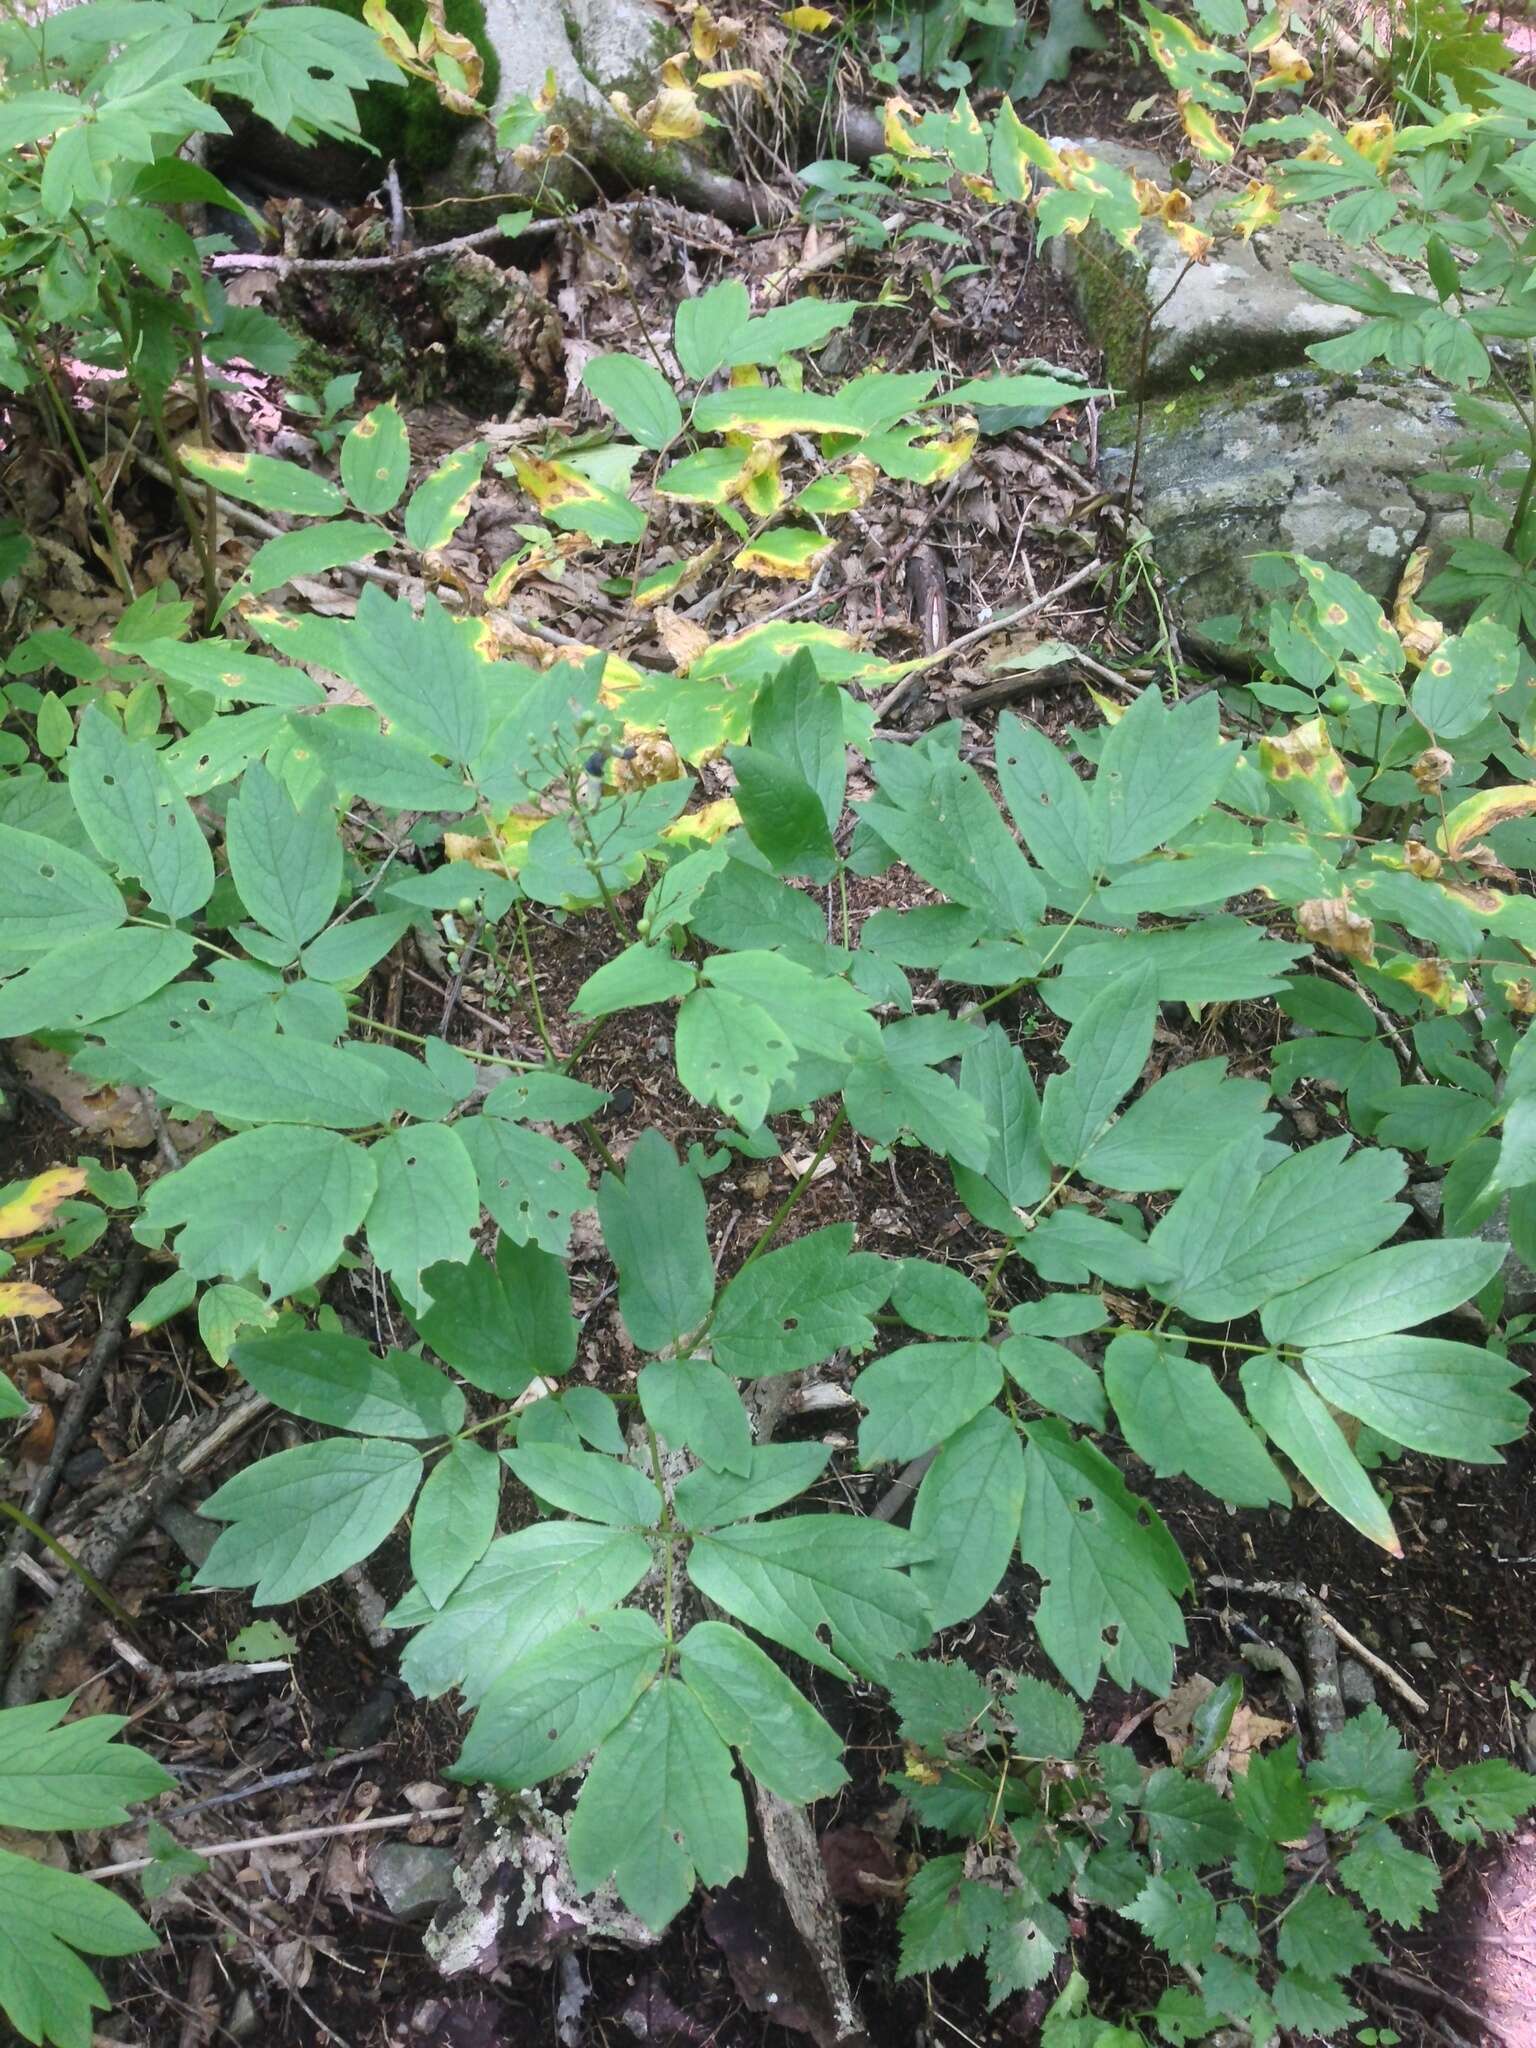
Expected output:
(47, 871)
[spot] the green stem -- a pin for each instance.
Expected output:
(668, 1527)
(87, 1579)
(120, 573)
(534, 997)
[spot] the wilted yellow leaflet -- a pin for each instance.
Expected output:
(1204, 131)
(809, 20)
(709, 35)
(789, 551)
(32, 1210)
(673, 116)
(667, 581)
(722, 81)
(707, 824)
(22, 1298)
(1306, 765)
(1419, 633)
(1258, 208)
(384, 25)
(1174, 211)
(1332, 921)
(1287, 66)
(505, 853)
(1431, 979)
(1375, 140)
(899, 139)
(553, 483)
(457, 66)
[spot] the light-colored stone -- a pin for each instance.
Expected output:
(1238, 313)
(1296, 461)
(413, 1879)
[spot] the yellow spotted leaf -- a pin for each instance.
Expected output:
(1305, 766)
(790, 551)
(1469, 821)
(899, 139)
(1204, 132)
(1429, 978)
(1258, 208)
(707, 824)
(22, 1298)
(32, 1210)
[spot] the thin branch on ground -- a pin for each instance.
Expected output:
(1279, 1589)
(374, 1825)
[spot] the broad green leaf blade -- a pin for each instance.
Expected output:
(1451, 1400)
(525, 1589)
(794, 1307)
(638, 397)
(707, 327)
(1055, 1378)
(1238, 1235)
(996, 1075)
(780, 1737)
(688, 1401)
(426, 1207)
(1028, 388)
(560, 1701)
(782, 813)
(1188, 1821)
(1298, 1423)
(730, 1054)
(50, 895)
(920, 1395)
(531, 1185)
(306, 1515)
(586, 1483)
(887, 1096)
(46, 1992)
(246, 1076)
(1111, 1580)
(70, 1777)
(952, 834)
(440, 503)
(501, 1324)
(1169, 1132)
(1051, 806)
(1105, 1051)
(264, 480)
(1384, 1292)
(659, 1804)
(939, 1300)
(93, 977)
(1160, 770)
(326, 1377)
(422, 673)
(455, 1519)
(798, 719)
(376, 459)
(823, 1016)
(654, 1225)
(1177, 1418)
(791, 1579)
(777, 1473)
(285, 862)
(310, 550)
(966, 1517)
(278, 1203)
(633, 979)
(136, 817)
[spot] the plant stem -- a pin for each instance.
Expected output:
(534, 997)
(667, 1527)
(88, 475)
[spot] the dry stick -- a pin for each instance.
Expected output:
(240, 1848)
(82, 1397)
(277, 1783)
(1276, 1589)
(998, 623)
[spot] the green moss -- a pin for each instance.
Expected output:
(1111, 291)
(407, 123)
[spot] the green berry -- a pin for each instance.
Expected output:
(643, 927)
(1338, 702)
(466, 906)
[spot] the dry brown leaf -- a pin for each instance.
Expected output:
(1331, 921)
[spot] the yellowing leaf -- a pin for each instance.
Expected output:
(810, 21)
(32, 1210)
(1479, 814)
(1375, 140)
(1419, 633)
(789, 551)
(683, 639)
(1204, 131)
(1305, 764)
(1287, 66)
(384, 25)
(673, 116)
(1257, 208)
(21, 1298)
(722, 81)
(707, 824)
(899, 139)
(1430, 978)
(553, 483)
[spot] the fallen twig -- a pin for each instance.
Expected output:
(998, 623)
(278, 1782)
(1278, 1589)
(373, 1825)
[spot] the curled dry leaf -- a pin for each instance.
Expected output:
(1431, 770)
(1331, 921)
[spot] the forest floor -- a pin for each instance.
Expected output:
(291, 1943)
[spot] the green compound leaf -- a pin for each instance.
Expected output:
(1325, 1936)
(1105, 1051)
(654, 1225)
(426, 1207)
(795, 1307)
(421, 672)
(244, 1076)
(311, 550)
(326, 1377)
(455, 1519)
(376, 460)
(1451, 1400)
(790, 1579)
(50, 895)
(780, 1737)
(921, 1394)
(1176, 1912)
(688, 1401)
(1389, 1878)
(782, 813)
(525, 1589)
(1175, 1416)
(1384, 1292)
(598, 1488)
(1188, 1821)
(531, 1185)
(966, 1517)
(560, 1701)
(952, 834)
(285, 862)
(307, 1515)
(939, 1300)
(730, 1054)
(776, 1473)
(1365, 1761)
(1111, 1572)
(1051, 806)
(70, 1777)
(278, 1203)
(1299, 1424)
(660, 1808)
(1160, 770)
(92, 977)
(500, 1325)
(1169, 1133)
(633, 979)
(47, 1915)
(136, 818)
(1476, 1799)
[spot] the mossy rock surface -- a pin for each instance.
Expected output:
(407, 123)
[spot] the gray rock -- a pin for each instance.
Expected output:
(413, 1878)
(1299, 461)
(1237, 314)
(1519, 1280)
